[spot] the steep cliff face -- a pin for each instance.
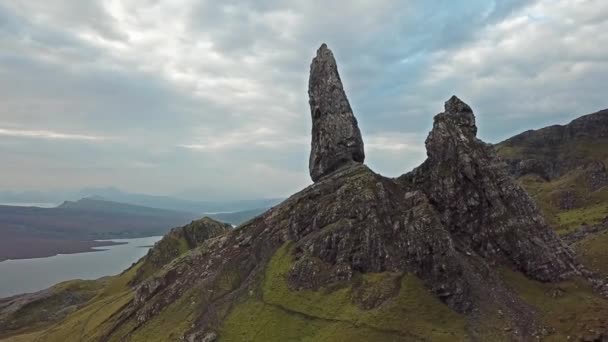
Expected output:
(454, 250)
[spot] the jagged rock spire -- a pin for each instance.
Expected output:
(336, 138)
(461, 113)
(453, 128)
(479, 202)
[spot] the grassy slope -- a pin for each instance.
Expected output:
(569, 309)
(403, 310)
(277, 313)
(593, 206)
(85, 323)
(63, 298)
(593, 252)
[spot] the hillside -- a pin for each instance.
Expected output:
(36, 310)
(29, 232)
(454, 250)
(564, 169)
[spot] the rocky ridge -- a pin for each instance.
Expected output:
(553, 151)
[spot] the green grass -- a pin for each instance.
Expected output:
(509, 152)
(593, 252)
(588, 215)
(170, 324)
(569, 308)
(85, 324)
(278, 313)
(593, 206)
(64, 298)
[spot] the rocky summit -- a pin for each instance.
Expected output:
(336, 139)
(454, 250)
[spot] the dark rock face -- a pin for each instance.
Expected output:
(481, 204)
(597, 176)
(336, 139)
(553, 151)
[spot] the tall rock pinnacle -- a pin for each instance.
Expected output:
(336, 139)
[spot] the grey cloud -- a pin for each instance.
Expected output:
(228, 80)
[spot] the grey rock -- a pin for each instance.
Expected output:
(336, 138)
(481, 204)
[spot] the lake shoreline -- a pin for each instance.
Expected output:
(36, 248)
(34, 274)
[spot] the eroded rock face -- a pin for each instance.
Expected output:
(553, 151)
(336, 139)
(481, 204)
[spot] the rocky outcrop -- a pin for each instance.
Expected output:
(178, 241)
(480, 202)
(553, 151)
(336, 139)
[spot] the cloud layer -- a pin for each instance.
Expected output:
(207, 99)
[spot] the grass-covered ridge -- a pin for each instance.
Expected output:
(51, 306)
(177, 242)
(405, 310)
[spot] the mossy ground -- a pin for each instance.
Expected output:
(166, 250)
(593, 252)
(592, 207)
(277, 313)
(571, 310)
(64, 297)
(85, 323)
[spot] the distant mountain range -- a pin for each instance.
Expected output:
(73, 226)
(153, 201)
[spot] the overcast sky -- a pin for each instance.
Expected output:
(208, 99)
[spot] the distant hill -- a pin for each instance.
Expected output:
(27, 232)
(177, 204)
(98, 204)
(50, 198)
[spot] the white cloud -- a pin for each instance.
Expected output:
(199, 92)
(547, 59)
(43, 134)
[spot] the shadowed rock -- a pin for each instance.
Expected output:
(336, 139)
